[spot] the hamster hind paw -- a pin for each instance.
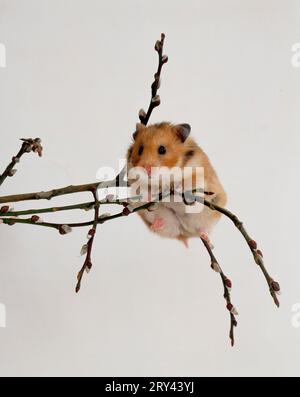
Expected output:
(158, 224)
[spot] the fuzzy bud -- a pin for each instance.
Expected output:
(64, 229)
(15, 159)
(88, 267)
(12, 172)
(83, 250)
(232, 309)
(260, 253)
(156, 100)
(157, 46)
(253, 244)
(142, 115)
(275, 286)
(110, 198)
(216, 267)
(103, 216)
(164, 59)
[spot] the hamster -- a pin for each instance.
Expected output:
(169, 145)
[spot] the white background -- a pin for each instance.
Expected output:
(77, 73)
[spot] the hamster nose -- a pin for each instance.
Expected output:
(148, 169)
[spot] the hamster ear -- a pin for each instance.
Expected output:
(139, 127)
(183, 131)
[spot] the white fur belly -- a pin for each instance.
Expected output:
(180, 221)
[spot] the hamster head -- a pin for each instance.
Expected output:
(158, 145)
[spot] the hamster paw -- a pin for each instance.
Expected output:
(204, 236)
(158, 224)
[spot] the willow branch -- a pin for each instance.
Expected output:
(227, 286)
(274, 286)
(48, 195)
(87, 265)
(28, 145)
(155, 99)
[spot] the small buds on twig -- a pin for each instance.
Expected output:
(216, 267)
(35, 218)
(142, 115)
(228, 283)
(64, 229)
(232, 309)
(4, 209)
(12, 172)
(126, 211)
(83, 250)
(253, 244)
(156, 100)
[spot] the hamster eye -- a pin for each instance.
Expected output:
(141, 149)
(161, 150)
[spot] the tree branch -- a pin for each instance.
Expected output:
(227, 286)
(28, 145)
(155, 99)
(274, 286)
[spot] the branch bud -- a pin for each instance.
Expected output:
(253, 244)
(12, 172)
(156, 100)
(83, 250)
(232, 309)
(4, 209)
(260, 253)
(64, 229)
(103, 216)
(215, 266)
(91, 232)
(142, 115)
(157, 46)
(126, 211)
(110, 198)
(164, 59)
(228, 283)
(88, 266)
(275, 286)
(35, 218)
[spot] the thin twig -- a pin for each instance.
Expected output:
(274, 286)
(155, 99)
(227, 286)
(28, 145)
(87, 265)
